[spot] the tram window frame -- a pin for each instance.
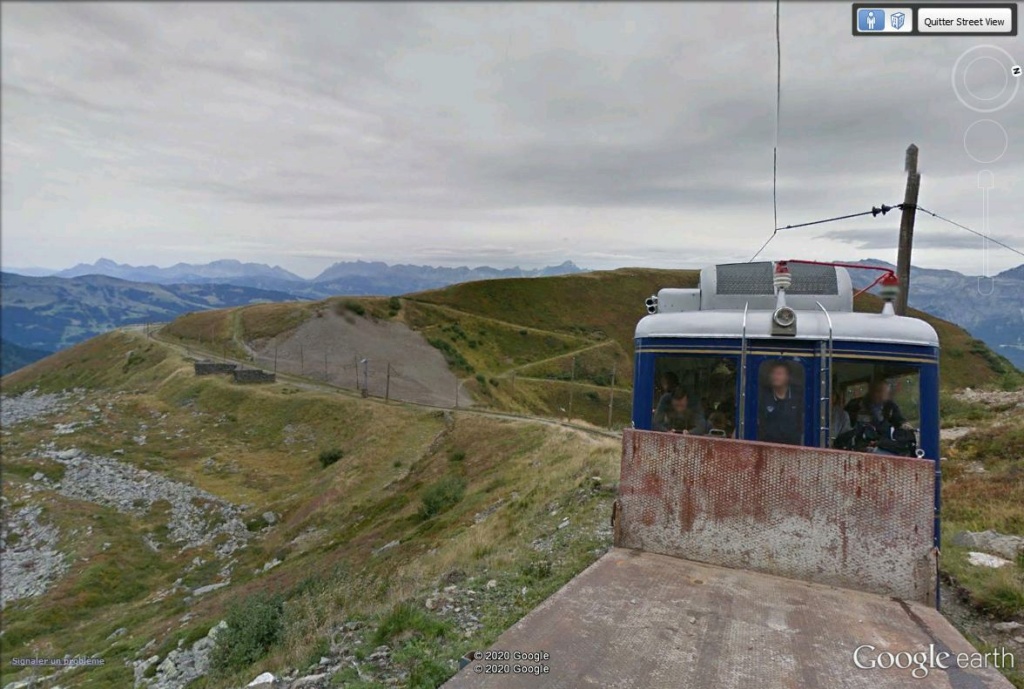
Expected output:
(705, 399)
(905, 380)
(854, 380)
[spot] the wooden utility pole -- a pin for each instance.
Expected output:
(572, 386)
(907, 230)
(611, 398)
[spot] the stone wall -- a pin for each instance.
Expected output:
(206, 368)
(253, 375)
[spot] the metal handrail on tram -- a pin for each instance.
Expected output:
(825, 383)
(743, 376)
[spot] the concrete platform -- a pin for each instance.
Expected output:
(648, 621)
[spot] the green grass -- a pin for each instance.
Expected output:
(441, 496)
(329, 457)
(254, 627)
(407, 619)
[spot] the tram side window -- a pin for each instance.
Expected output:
(695, 394)
(780, 408)
(882, 403)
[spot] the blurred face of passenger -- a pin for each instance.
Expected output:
(779, 377)
(679, 405)
(880, 393)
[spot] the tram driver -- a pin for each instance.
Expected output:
(876, 409)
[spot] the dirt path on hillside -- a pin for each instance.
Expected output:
(332, 348)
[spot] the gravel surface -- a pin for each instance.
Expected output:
(329, 348)
(29, 559)
(33, 404)
(196, 516)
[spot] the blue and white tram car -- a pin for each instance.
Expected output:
(775, 352)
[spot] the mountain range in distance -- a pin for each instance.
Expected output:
(364, 278)
(990, 308)
(43, 314)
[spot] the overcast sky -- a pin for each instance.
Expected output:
(501, 134)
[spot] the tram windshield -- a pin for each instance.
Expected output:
(695, 394)
(874, 407)
(884, 399)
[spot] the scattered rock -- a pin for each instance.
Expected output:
(954, 433)
(29, 560)
(1009, 547)
(493, 583)
(196, 516)
(120, 631)
(986, 560)
(270, 518)
(182, 665)
(310, 682)
(385, 547)
(1007, 626)
(32, 405)
(267, 679)
(209, 587)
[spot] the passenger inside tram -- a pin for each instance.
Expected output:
(708, 386)
(780, 409)
(884, 407)
(680, 416)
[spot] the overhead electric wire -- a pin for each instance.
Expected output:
(882, 210)
(775, 149)
(974, 232)
(778, 115)
(875, 210)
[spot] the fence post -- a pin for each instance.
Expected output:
(387, 385)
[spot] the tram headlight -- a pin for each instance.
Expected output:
(652, 304)
(784, 317)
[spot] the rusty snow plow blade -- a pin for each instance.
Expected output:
(847, 519)
(742, 564)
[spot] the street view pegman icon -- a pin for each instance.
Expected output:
(870, 20)
(897, 19)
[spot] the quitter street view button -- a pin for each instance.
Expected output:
(965, 19)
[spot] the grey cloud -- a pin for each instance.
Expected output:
(872, 239)
(619, 132)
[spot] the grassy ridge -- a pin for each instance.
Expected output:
(261, 447)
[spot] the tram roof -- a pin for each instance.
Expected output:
(810, 325)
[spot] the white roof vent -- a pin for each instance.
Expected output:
(733, 286)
